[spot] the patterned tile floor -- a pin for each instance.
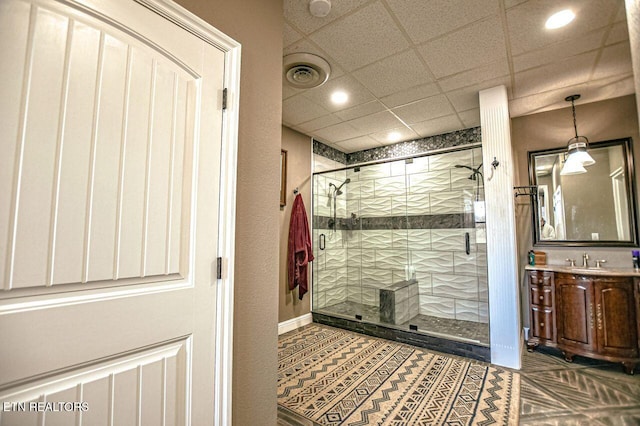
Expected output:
(554, 392)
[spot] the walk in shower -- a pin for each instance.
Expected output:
(402, 244)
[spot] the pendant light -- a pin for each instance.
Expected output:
(578, 145)
(572, 167)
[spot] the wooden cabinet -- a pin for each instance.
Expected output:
(588, 315)
(616, 328)
(541, 307)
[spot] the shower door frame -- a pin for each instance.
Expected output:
(323, 311)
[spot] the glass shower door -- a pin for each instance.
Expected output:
(330, 292)
(448, 245)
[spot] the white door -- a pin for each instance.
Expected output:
(110, 131)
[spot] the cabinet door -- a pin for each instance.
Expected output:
(575, 313)
(615, 317)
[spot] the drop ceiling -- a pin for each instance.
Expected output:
(415, 67)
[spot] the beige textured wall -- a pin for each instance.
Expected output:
(298, 147)
(599, 121)
(257, 25)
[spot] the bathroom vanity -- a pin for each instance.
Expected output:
(590, 312)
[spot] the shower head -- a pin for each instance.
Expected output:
(476, 171)
(338, 188)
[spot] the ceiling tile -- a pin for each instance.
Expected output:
(426, 109)
(413, 94)
(298, 109)
(319, 123)
(476, 76)
(426, 19)
(361, 38)
(464, 99)
(512, 3)
(297, 13)
(337, 132)
(360, 110)
(438, 126)
(614, 60)
(290, 35)
(468, 98)
(622, 12)
(288, 91)
(393, 74)
(358, 94)
(559, 51)
(550, 100)
(357, 144)
(376, 122)
(569, 72)
(526, 22)
(464, 40)
(478, 44)
(594, 91)
(612, 87)
(470, 118)
(305, 46)
(619, 32)
(405, 133)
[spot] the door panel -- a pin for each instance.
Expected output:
(614, 313)
(109, 202)
(98, 167)
(118, 391)
(575, 313)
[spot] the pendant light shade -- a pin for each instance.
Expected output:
(572, 166)
(578, 150)
(578, 146)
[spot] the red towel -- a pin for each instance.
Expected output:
(300, 252)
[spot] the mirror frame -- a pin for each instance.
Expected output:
(630, 182)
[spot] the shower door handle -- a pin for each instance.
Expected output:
(322, 242)
(467, 243)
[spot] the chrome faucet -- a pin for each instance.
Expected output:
(585, 260)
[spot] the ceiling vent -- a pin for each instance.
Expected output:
(305, 70)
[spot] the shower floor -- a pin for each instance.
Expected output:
(468, 330)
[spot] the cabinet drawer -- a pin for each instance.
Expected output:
(542, 295)
(540, 277)
(542, 323)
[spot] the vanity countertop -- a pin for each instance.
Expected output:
(615, 272)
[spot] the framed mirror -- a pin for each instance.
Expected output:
(596, 207)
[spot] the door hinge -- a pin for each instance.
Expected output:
(224, 99)
(219, 268)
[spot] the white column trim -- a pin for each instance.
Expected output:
(502, 258)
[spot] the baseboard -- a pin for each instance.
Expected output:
(294, 323)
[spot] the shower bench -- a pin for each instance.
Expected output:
(395, 302)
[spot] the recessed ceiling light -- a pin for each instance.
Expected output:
(559, 19)
(394, 136)
(339, 97)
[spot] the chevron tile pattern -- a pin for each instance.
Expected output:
(586, 392)
(334, 377)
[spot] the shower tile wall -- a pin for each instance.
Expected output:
(330, 275)
(411, 217)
